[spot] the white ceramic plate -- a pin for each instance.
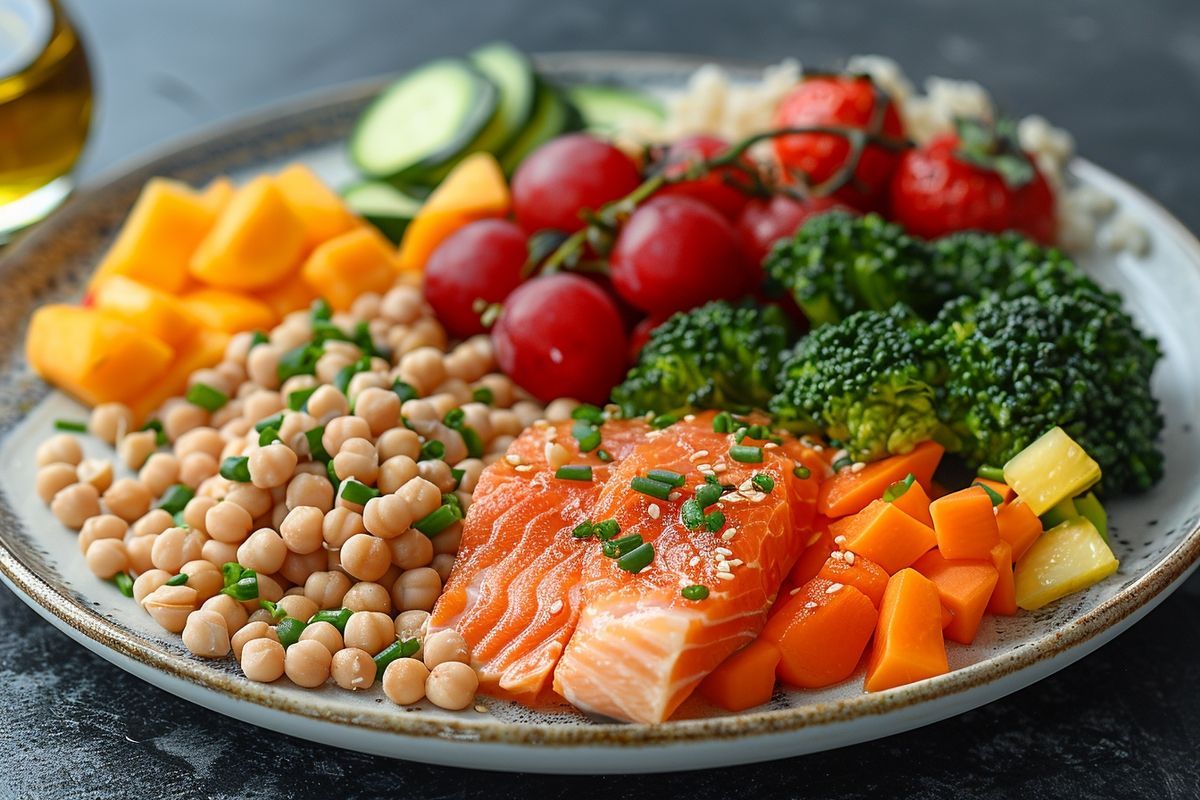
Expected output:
(1155, 536)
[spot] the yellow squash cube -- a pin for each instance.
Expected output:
(1052, 469)
(157, 313)
(1068, 557)
(351, 264)
(323, 213)
(229, 311)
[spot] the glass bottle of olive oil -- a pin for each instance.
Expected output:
(45, 109)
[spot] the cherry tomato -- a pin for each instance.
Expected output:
(936, 191)
(676, 253)
(477, 265)
(561, 336)
(716, 189)
(567, 175)
(766, 221)
(848, 102)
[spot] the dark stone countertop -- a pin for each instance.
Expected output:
(1123, 77)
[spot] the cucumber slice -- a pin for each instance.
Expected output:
(552, 116)
(512, 72)
(424, 119)
(608, 109)
(384, 206)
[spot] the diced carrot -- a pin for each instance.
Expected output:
(947, 618)
(965, 586)
(884, 534)
(999, 487)
(858, 571)
(908, 636)
(915, 503)
(965, 524)
(745, 679)
(1018, 526)
(821, 631)
(818, 547)
(848, 492)
(1004, 596)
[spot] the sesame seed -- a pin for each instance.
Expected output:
(810, 604)
(704, 467)
(481, 709)
(725, 551)
(557, 606)
(840, 454)
(524, 468)
(770, 446)
(695, 560)
(839, 540)
(720, 467)
(725, 576)
(673, 496)
(729, 534)
(849, 556)
(795, 591)
(689, 417)
(736, 562)
(732, 498)
(837, 554)
(513, 459)
(833, 588)
(857, 466)
(654, 511)
(699, 454)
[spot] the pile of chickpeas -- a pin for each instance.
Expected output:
(312, 549)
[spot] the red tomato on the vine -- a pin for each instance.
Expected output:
(765, 221)
(841, 101)
(717, 189)
(566, 176)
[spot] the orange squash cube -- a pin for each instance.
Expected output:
(822, 632)
(744, 680)
(908, 637)
(885, 535)
(292, 294)
(230, 312)
(1004, 597)
(157, 313)
(816, 551)
(217, 194)
(320, 209)
(915, 502)
(965, 524)
(351, 264)
(1019, 526)
(965, 588)
(858, 571)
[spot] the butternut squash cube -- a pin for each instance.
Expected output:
(323, 213)
(229, 311)
(292, 294)
(351, 264)
(159, 237)
(256, 242)
(206, 349)
(218, 193)
(93, 355)
(159, 314)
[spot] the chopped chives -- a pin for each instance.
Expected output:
(320, 310)
(124, 583)
(472, 440)
(236, 468)
(337, 617)
(588, 413)
(667, 476)
(483, 395)
(694, 592)
(207, 397)
(651, 487)
(273, 609)
(454, 418)
(573, 472)
(70, 425)
(992, 493)
(331, 474)
(991, 473)
(691, 514)
(606, 529)
(244, 588)
(404, 391)
(663, 421)
(160, 437)
(341, 380)
(300, 360)
(298, 400)
(453, 500)
(747, 454)
(604, 456)
(175, 498)
(288, 631)
(324, 331)
(361, 336)
(763, 481)
(315, 448)
(587, 434)
(584, 530)
(268, 436)
(353, 491)
(177, 580)
(179, 520)
(231, 571)
(273, 421)
(638, 559)
(441, 518)
(722, 423)
(896, 490)
(842, 463)
(708, 493)
(458, 475)
(401, 648)
(740, 436)
(714, 521)
(257, 338)
(432, 450)
(802, 472)
(615, 548)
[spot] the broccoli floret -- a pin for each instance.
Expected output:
(716, 356)
(838, 263)
(1017, 367)
(868, 381)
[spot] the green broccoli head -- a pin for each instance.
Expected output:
(719, 355)
(867, 381)
(1018, 366)
(839, 263)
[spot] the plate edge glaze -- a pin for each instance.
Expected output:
(1060, 647)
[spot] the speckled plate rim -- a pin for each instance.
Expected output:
(296, 124)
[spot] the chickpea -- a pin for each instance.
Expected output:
(481, 343)
(327, 589)
(215, 552)
(174, 547)
(204, 577)
(324, 633)
(301, 530)
(478, 417)
(61, 448)
(215, 487)
(422, 368)
(331, 363)
(213, 378)
(249, 632)
(228, 522)
(110, 421)
(263, 551)
(128, 499)
(505, 422)
(292, 334)
(260, 404)
(423, 497)
(235, 427)
(398, 442)
(234, 613)
(420, 413)
(198, 440)
(298, 606)
(104, 526)
(54, 477)
(403, 304)
(195, 513)
(342, 349)
(404, 681)
(445, 646)
(136, 447)
(307, 663)
(352, 668)
(357, 459)
(261, 615)
(205, 634)
(530, 412)
(327, 404)
(170, 606)
(182, 417)
(455, 388)
(262, 365)
(297, 567)
(195, 467)
(268, 589)
(256, 501)
(417, 589)
(159, 473)
(154, 521)
(95, 471)
(369, 630)
(451, 685)
(378, 407)
(297, 383)
(443, 564)
(444, 402)
(291, 431)
(272, 465)
(411, 549)
(387, 516)
(107, 557)
(339, 525)
(365, 557)
(363, 381)
(239, 347)
(395, 472)
(263, 659)
(464, 363)
(448, 541)
(438, 473)
(472, 469)
(501, 388)
(147, 582)
(338, 431)
(73, 505)
(368, 596)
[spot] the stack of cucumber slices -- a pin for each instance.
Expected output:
(428, 120)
